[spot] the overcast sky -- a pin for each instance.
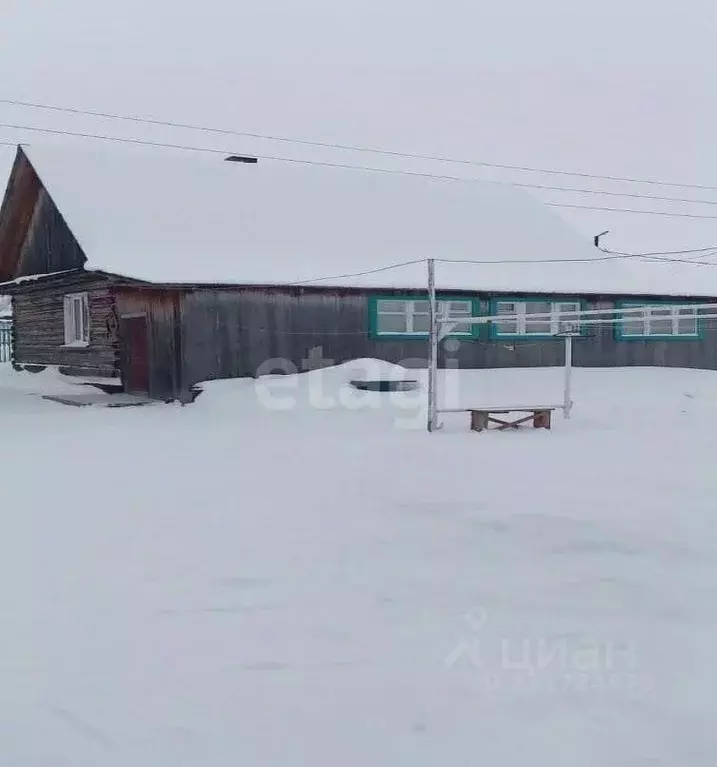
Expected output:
(616, 87)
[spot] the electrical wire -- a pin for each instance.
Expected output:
(503, 262)
(360, 274)
(628, 210)
(660, 252)
(389, 171)
(349, 147)
(497, 182)
(577, 260)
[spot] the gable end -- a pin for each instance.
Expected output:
(34, 237)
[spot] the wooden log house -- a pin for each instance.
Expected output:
(155, 271)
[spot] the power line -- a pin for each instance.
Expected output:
(660, 252)
(502, 262)
(390, 171)
(350, 147)
(700, 253)
(361, 274)
(621, 257)
(628, 210)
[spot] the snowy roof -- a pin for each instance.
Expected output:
(168, 216)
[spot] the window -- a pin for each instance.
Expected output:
(559, 317)
(411, 316)
(77, 320)
(655, 321)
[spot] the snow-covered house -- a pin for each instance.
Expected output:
(162, 269)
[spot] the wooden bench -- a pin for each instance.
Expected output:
(483, 418)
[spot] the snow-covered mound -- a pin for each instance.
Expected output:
(372, 370)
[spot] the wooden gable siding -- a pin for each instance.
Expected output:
(16, 214)
(34, 237)
(39, 327)
(49, 245)
(160, 307)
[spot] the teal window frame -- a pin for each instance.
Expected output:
(496, 335)
(373, 313)
(619, 330)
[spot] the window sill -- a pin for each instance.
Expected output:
(532, 337)
(418, 336)
(684, 337)
(76, 345)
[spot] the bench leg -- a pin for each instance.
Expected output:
(541, 419)
(479, 421)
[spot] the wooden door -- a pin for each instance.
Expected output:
(136, 355)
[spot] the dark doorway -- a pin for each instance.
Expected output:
(135, 355)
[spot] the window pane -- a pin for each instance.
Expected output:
(566, 316)
(392, 323)
(540, 325)
(537, 326)
(687, 326)
(421, 323)
(85, 319)
(660, 322)
(567, 306)
(393, 307)
(686, 321)
(506, 328)
(457, 309)
(634, 326)
(420, 307)
(77, 315)
(537, 307)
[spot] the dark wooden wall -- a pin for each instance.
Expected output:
(39, 328)
(49, 245)
(160, 307)
(203, 334)
(238, 333)
(34, 237)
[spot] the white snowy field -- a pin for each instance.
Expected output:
(285, 573)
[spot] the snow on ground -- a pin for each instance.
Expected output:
(290, 572)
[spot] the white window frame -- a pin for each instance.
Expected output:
(650, 312)
(522, 318)
(409, 313)
(77, 320)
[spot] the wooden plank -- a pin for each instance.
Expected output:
(479, 420)
(501, 409)
(541, 419)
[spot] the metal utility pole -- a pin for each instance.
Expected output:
(432, 348)
(568, 397)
